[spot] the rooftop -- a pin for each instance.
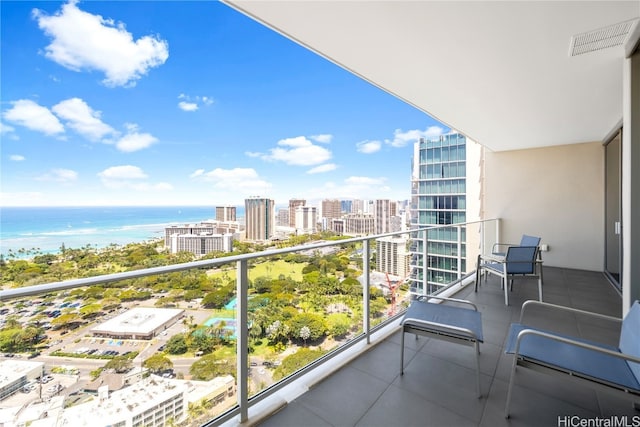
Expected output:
(139, 320)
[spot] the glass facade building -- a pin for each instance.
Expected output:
(438, 190)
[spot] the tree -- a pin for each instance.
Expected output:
(211, 366)
(305, 333)
(295, 361)
(177, 344)
(158, 363)
(120, 364)
(314, 322)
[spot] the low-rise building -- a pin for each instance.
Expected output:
(154, 401)
(138, 323)
(15, 374)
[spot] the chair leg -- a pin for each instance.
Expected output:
(509, 390)
(402, 352)
(478, 368)
(506, 290)
(540, 288)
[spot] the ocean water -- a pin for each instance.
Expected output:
(48, 228)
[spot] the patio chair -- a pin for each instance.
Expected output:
(500, 249)
(446, 322)
(518, 261)
(599, 366)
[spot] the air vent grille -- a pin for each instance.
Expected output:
(613, 35)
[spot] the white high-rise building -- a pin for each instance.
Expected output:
(393, 256)
(306, 219)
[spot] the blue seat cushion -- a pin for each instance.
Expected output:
(570, 358)
(446, 315)
(630, 337)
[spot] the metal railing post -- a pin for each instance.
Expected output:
(365, 291)
(459, 231)
(242, 339)
(425, 262)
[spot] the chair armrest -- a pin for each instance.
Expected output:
(497, 246)
(461, 301)
(573, 342)
(492, 257)
(531, 303)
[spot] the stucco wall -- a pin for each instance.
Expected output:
(556, 193)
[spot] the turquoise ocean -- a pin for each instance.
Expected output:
(48, 228)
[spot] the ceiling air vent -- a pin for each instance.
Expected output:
(613, 35)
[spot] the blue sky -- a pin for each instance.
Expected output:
(186, 103)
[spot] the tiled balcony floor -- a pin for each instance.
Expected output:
(438, 386)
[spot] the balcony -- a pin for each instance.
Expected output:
(438, 387)
(357, 382)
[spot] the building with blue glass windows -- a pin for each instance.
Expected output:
(446, 177)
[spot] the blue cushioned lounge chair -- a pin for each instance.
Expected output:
(605, 368)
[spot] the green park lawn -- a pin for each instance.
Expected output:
(271, 269)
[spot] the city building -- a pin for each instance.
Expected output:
(359, 224)
(357, 206)
(383, 210)
(346, 206)
(444, 170)
(15, 374)
(226, 213)
(293, 204)
(393, 256)
(282, 218)
(208, 227)
(151, 402)
(306, 219)
(260, 224)
(331, 209)
(141, 323)
(337, 226)
(201, 244)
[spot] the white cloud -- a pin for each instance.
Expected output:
(130, 177)
(197, 173)
(354, 187)
(122, 172)
(134, 140)
(368, 147)
(33, 116)
(244, 180)
(364, 180)
(16, 158)
(81, 118)
(298, 151)
(187, 106)
(328, 167)
(324, 138)
(82, 41)
(192, 103)
(59, 175)
(400, 138)
(5, 128)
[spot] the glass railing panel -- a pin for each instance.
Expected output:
(167, 323)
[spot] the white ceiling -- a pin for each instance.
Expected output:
(499, 72)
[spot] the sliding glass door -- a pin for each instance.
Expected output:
(613, 207)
